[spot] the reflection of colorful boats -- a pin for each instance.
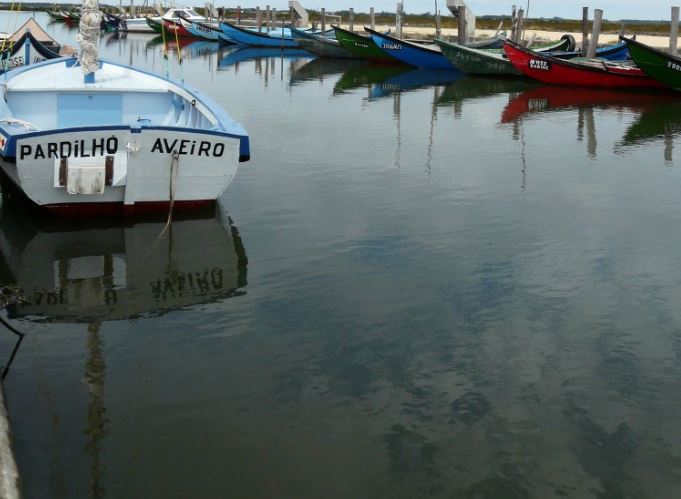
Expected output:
(545, 99)
(80, 273)
(320, 67)
(477, 87)
(367, 75)
(658, 121)
(416, 78)
(237, 54)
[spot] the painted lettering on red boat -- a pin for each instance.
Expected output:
(69, 149)
(539, 64)
(186, 147)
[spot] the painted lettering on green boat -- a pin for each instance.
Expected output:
(363, 45)
(673, 65)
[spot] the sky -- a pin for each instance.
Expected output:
(571, 9)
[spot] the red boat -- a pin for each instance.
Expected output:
(172, 27)
(582, 73)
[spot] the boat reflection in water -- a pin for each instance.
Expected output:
(321, 67)
(233, 55)
(660, 122)
(547, 99)
(414, 79)
(82, 273)
(366, 75)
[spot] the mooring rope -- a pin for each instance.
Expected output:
(172, 187)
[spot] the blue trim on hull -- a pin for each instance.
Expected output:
(230, 128)
(409, 52)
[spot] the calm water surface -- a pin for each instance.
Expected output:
(420, 285)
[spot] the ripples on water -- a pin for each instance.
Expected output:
(420, 285)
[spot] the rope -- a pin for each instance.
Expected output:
(88, 36)
(15, 121)
(172, 187)
(165, 49)
(179, 53)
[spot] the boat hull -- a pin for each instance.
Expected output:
(475, 61)
(560, 72)
(174, 28)
(661, 66)
(361, 46)
(257, 39)
(117, 170)
(410, 53)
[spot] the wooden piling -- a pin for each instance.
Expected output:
(238, 14)
(267, 18)
(323, 13)
(372, 18)
(520, 20)
(438, 26)
(674, 31)
(596, 31)
(585, 30)
(514, 23)
(258, 18)
(461, 29)
(274, 18)
(398, 20)
(351, 19)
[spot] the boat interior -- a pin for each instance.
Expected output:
(56, 98)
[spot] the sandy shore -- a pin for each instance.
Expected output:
(604, 38)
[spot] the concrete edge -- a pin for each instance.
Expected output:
(9, 473)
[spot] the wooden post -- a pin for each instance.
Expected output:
(323, 19)
(258, 18)
(398, 20)
(623, 27)
(372, 18)
(514, 23)
(596, 31)
(674, 32)
(461, 30)
(274, 18)
(438, 30)
(267, 18)
(351, 19)
(585, 30)
(238, 14)
(519, 29)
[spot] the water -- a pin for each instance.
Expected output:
(418, 286)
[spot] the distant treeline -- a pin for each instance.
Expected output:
(418, 20)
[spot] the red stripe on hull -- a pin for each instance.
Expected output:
(559, 72)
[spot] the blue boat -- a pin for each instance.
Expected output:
(85, 137)
(414, 54)
(615, 52)
(277, 38)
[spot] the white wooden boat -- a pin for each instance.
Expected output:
(81, 135)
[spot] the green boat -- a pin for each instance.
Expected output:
(361, 46)
(493, 62)
(477, 61)
(156, 26)
(657, 64)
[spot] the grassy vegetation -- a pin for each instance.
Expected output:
(427, 19)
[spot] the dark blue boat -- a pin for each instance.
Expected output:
(616, 52)
(414, 54)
